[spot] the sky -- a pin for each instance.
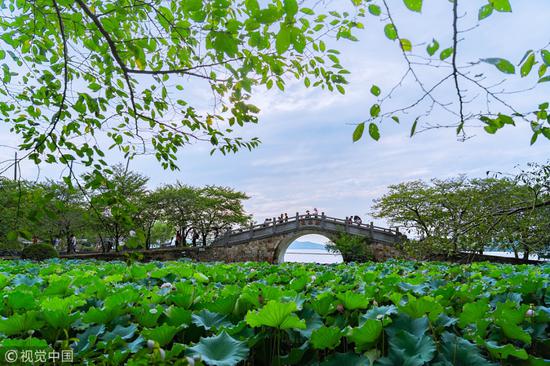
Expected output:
(307, 158)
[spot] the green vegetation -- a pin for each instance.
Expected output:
(39, 252)
(510, 213)
(291, 314)
(120, 210)
(352, 248)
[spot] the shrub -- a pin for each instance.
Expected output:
(39, 252)
(352, 248)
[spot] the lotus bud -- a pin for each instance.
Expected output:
(190, 361)
(313, 278)
(166, 285)
(162, 354)
(375, 303)
(530, 312)
(30, 332)
(150, 344)
(153, 311)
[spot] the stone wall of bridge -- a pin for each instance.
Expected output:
(269, 250)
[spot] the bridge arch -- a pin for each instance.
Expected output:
(284, 242)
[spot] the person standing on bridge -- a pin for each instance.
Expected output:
(357, 220)
(315, 212)
(286, 217)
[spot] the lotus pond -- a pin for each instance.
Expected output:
(393, 313)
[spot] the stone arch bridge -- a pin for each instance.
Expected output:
(269, 241)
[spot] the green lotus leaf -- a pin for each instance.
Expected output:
(365, 335)
(21, 300)
(19, 323)
(100, 316)
(184, 296)
(162, 334)
(209, 320)
(458, 351)
(178, 316)
(21, 279)
(59, 287)
(120, 331)
(472, 312)
(352, 300)
(87, 339)
(146, 316)
(406, 348)
(417, 327)
(224, 304)
(503, 352)
(324, 304)
(313, 321)
(136, 345)
(220, 350)
(346, 359)
(326, 337)
(378, 313)
(200, 277)
(276, 315)
(418, 307)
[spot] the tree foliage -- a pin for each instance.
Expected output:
(460, 214)
(82, 77)
(121, 211)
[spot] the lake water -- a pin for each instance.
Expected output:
(321, 256)
(312, 256)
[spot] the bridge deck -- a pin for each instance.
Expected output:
(320, 223)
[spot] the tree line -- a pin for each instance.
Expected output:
(500, 212)
(118, 211)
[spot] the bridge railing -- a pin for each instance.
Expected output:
(309, 220)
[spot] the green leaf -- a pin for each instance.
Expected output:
(501, 5)
(162, 334)
(414, 5)
(390, 31)
(472, 312)
(282, 42)
(459, 352)
(209, 320)
(120, 331)
(413, 128)
(220, 350)
(545, 54)
(446, 53)
(544, 79)
(352, 300)
(527, 65)
(375, 110)
(374, 132)
(501, 64)
(291, 7)
(503, 352)
(375, 90)
(365, 335)
(358, 132)
(406, 45)
(374, 10)
(276, 315)
(326, 337)
(485, 11)
(407, 349)
(432, 47)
